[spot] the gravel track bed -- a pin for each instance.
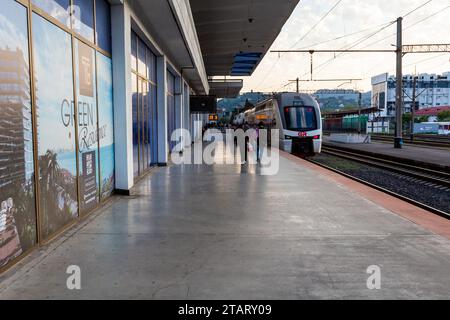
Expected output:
(421, 191)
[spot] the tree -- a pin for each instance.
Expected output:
(421, 119)
(406, 117)
(444, 116)
(50, 169)
(248, 105)
(349, 107)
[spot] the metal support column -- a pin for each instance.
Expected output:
(398, 141)
(413, 109)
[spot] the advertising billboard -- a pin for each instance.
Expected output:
(106, 124)
(17, 192)
(88, 135)
(379, 91)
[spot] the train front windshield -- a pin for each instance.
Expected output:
(300, 118)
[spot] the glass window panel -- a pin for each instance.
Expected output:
(17, 206)
(148, 64)
(154, 126)
(170, 119)
(144, 124)
(170, 108)
(140, 126)
(151, 66)
(56, 127)
(149, 125)
(144, 118)
(103, 24)
(135, 125)
(133, 51)
(106, 125)
(58, 9)
(300, 118)
(83, 18)
(142, 52)
(144, 132)
(87, 126)
(170, 83)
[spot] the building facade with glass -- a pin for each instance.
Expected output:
(91, 92)
(89, 97)
(432, 90)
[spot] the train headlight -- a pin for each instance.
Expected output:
(288, 137)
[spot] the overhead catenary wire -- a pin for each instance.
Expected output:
(363, 40)
(341, 37)
(428, 17)
(410, 26)
(352, 45)
(367, 74)
(354, 33)
(416, 9)
(301, 39)
(366, 38)
(317, 23)
(406, 15)
(323, 42)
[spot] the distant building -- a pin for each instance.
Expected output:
(16, 156)
(432, 90)
(432, 113)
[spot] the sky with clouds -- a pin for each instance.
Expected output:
(429, 24)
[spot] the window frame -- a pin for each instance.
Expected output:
(35, 9)
(144, 79)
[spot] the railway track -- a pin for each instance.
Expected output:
(415, 175)
(436, 142)
(419, 140)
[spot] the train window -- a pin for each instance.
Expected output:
(298, 103)
(300, 118)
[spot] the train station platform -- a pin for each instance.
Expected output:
(433, 156)
(226, 232)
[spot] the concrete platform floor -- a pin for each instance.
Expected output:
(224, 232)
